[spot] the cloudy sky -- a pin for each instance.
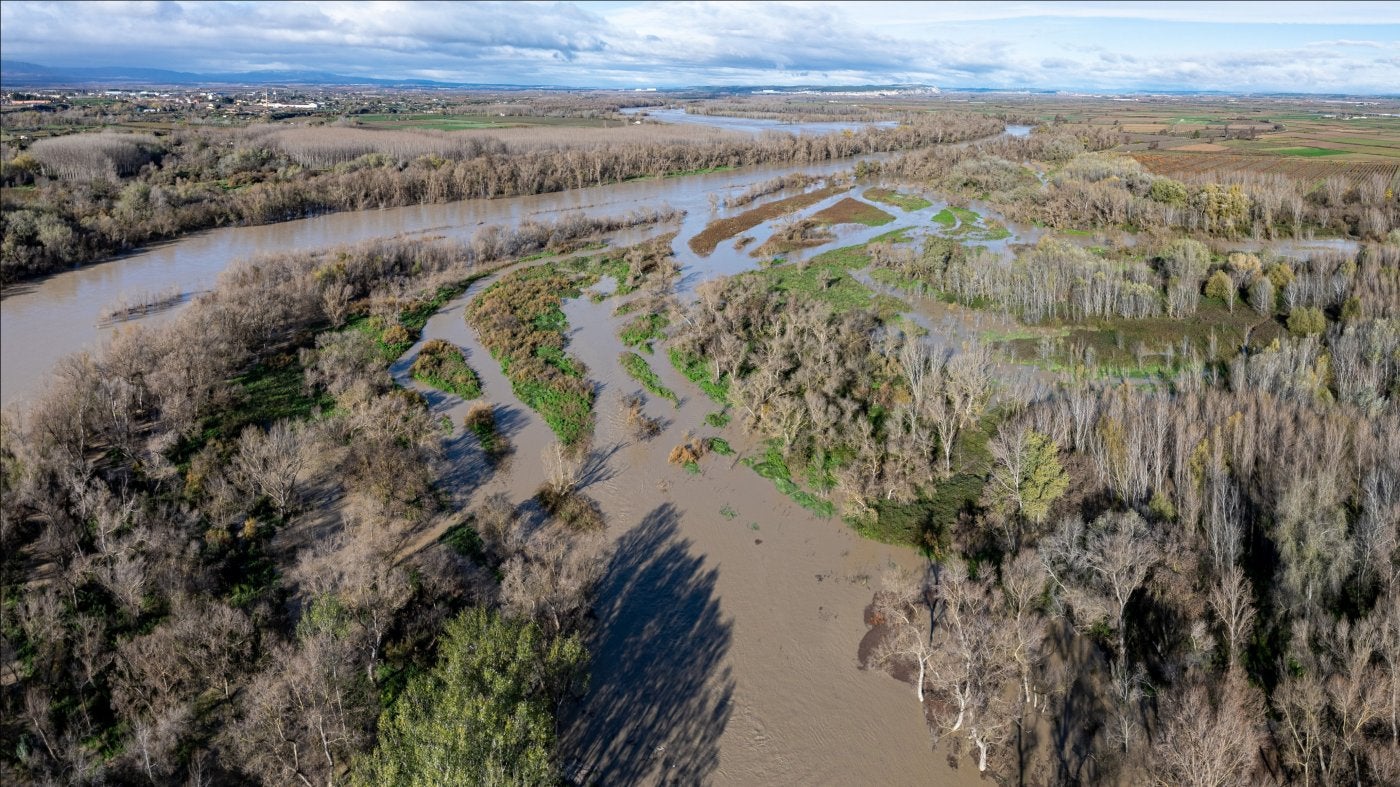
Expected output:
(1243, 46)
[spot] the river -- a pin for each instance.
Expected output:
(44, 320)
(752, 125)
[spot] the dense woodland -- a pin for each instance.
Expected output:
(1088, 189)
(1225, 541)
(212, 566)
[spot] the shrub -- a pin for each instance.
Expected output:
(575, 509)
(481, 421)
(689, 452)
(1220, 287)
(642, 426)
(1169, 191)
(442, 365)
(1307, 321)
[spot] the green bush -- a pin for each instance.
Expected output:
(443, 366)
(1219, 287)
(641, 371)
(644, 330)
(1307, 321)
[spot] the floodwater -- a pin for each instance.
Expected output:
(44, 320)
(752, 125)
(729, 617)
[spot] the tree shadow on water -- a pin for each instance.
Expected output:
(659, 696)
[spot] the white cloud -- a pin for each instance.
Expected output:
(1016, 44)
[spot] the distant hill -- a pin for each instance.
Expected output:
(15, 73)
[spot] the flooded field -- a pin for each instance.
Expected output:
(750, 125)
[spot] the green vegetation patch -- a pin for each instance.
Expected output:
(945, 217)
(1309, 152)
(271, 391)
(521, 323)
(442, 365)
(774, 467)
(465, 541)
(637, 367)
(831, 283)
(694, 368)
(909, 202)
(644, 330)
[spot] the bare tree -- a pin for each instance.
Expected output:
(553, 576)
(1230, 601)
(268, 463)
(902, 606)
(1211, 735)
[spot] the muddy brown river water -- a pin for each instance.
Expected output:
(729, 618)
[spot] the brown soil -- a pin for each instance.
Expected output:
(1203, 147)
(803, 234)
(852, 211)
(705, 242)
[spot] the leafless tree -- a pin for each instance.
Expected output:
(1211, 735)
(268, 463)
(1234, 610)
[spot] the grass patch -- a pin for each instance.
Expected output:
(442, 365)
(909, 202)
(965, 216)
(721, 446)
(831, 283)
(271, 391)
(718, 420)
(641, 371)
(774, 467)
(695, 369)
(1309, 152)
(644, 330)
(521, 323)
(945, 217)
(705, 242)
